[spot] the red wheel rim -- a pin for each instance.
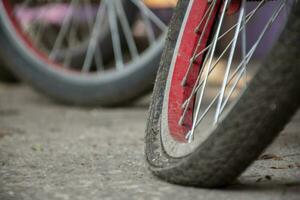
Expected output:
(26, 40)
(178, 93)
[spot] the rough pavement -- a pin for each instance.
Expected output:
(52, 151)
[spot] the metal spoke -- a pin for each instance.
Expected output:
(223, 53)
(187, 102)
(41, 25)
(71, 41)
(248, 18)
(98, 54)
(144, 9)
(226, 3)
(229, 62)
(244, 39)
(234, 74)
(189, 135)
(275, 15)
(63, 31)
(205, 15)
(212, 103)
(126, 29)
(148, 25)
(96, 33)
(210, 71)
(32, 26)
(199, 43)
(113, 23)
(240, 69)
(40, 31)
(239, 76)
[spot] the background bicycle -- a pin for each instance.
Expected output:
(85, 52)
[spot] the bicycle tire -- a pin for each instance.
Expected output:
(265, 107)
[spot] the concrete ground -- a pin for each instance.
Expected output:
(52, 151)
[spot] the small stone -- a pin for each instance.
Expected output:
(37, 147)
(258, 180)
(268, 177)
(279, 167)
(270, 157)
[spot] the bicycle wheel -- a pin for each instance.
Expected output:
(45, 28)
(104, 65)
(213, 112)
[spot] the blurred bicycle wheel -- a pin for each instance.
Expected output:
(85, 52)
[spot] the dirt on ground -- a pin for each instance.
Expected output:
(58, 152)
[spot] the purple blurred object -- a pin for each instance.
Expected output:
(54, 13)
(259, 22)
